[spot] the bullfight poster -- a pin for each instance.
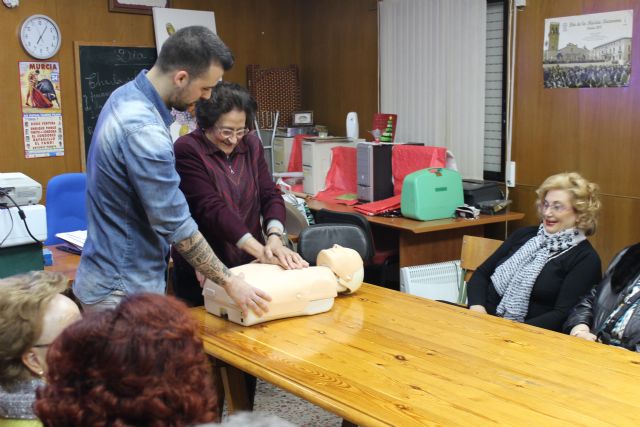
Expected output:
(41, 109)
(588, 51)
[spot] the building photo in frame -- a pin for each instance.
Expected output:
(588, 51)
(137, 6)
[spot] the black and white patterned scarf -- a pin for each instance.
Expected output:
(514, 279)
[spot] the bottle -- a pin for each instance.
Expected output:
(352, 125)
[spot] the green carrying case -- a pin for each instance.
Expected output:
(432, 193)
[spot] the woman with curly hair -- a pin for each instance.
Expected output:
(538, 274)
(32, 314)
(138, 364)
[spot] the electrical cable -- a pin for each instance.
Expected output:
(23, 216)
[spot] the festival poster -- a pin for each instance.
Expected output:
(43, 135)
(588, 51)
(41, 109)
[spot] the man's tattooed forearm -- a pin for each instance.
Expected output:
(199, 254)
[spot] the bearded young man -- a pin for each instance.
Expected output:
(135, 209)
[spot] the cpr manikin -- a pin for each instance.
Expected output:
(293, 292)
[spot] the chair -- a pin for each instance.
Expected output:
(294, 221)
(65, 203)
(317, 237)
(378, 269)
(475, 250)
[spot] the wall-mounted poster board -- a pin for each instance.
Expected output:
(100, 69)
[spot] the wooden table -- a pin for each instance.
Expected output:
(425, 242)
(63, 262)
(380, 358)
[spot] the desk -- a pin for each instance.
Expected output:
(63, 262)
(380, 358)
(425, 242)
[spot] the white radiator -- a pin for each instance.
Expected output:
(438, 281)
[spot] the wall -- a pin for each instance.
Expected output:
(340, 62)
(267, 32)
(591, 131)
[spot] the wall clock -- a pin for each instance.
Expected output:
(40, 36)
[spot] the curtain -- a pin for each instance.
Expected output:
(432, 74)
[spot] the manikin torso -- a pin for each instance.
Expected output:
(293, 292)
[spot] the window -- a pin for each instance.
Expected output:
(494, 137)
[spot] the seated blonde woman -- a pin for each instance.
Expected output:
(32, 314)
(610, 313)
(539, 273)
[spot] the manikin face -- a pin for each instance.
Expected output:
(232, 123)
(189, 90)
(557, 211)
(346, 264)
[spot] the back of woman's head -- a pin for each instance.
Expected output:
(627, 269)
(584, 198)
(225, 97)
(138, 364)
(23, 299)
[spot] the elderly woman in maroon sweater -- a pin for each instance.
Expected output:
(230, 192)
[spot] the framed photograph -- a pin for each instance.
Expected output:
(303, 118)
(167, 21)
(137, 6)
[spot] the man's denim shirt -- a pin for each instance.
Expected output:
(134, 206)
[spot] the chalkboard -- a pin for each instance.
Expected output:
(100, 69)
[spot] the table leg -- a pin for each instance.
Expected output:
(230, 383)
(235, 389)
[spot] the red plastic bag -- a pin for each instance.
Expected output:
(410, 158)
(295, 158)
(342, 177)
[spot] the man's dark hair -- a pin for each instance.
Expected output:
(225, 97)
(194, 49)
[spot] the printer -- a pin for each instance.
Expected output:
(21, 249)
(22, 189)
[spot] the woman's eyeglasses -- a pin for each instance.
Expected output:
(227, 133)
(554, 207)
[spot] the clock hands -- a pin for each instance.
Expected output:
(41, 34)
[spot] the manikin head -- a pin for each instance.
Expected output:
(346, 264)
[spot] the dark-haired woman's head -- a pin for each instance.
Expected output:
(227, 116)
(138, 364)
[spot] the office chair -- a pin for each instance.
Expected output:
(65, 203)
(294, 221)
(317, 237)
(378, 269)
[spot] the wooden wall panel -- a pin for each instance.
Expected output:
(266, 32)
(592, 131)
(340, 62)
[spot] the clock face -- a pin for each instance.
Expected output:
(40, 36)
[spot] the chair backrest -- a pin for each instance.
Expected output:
(65, 203)
(475, 250)
(317, 237)
(294, 221)
(324, 216)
